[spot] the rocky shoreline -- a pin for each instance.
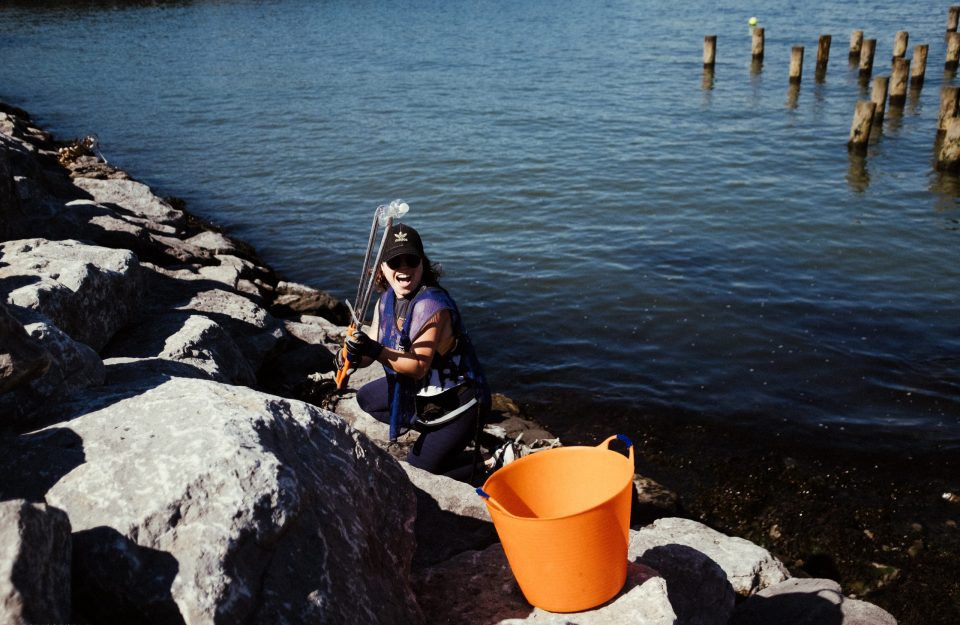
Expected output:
(173, 450)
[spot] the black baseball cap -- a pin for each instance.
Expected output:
(402, 239)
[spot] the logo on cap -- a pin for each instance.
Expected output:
(400, 237)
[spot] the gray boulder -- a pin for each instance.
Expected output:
(748, 567)
(198, 502)
(133, 197)
(703, 568)
(34, 563)
(808, 602)
(87, 291)
(22, 358)
(479, 587)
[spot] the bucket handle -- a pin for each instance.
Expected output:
(493, 502)
(623, 439)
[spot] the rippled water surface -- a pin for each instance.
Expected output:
(618, 224)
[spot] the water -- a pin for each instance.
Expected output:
(619, 227)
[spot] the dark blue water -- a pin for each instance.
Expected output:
(620, 227)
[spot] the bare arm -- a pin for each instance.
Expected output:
(436, 335)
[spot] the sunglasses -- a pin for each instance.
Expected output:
(404, 260)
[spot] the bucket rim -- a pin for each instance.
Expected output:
(492, 504)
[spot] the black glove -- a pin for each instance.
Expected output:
(359, 345)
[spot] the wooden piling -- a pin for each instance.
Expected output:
(856, 44)
(878, 95)
(796, 64)
(919, 65)
(758, 41)
(823, 52)
(953, 18)
(862, 124)
(866, 57)
(709, 50)
(953, 51)
(949, 102)
(899, 77)
(948, 157)
(900, 44)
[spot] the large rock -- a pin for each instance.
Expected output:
(133, 197)
(748, 567)
(808, 602)
(199, 502)
(34, 563)
(704, 569)
(22, 358)
(479, 587)
(87, 291)
(255, 330)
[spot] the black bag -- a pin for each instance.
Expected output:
(436, 411)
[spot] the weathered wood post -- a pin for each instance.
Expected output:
(949, 101)
(898, 81)
(948, 157)
(866, 57)
(878, 95)
(862, 124)
(953, 18)
(953, 51)
(856, 44)
(709, 50)
(757, 44)
(919, 65)
(823, 52)
(796, 64)
(900, 44)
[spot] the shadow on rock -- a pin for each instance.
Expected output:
(32, 463)
(697, 586)
(116, 581)
(789, 609)
(459, 533)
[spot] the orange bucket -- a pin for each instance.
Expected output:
(563, 517)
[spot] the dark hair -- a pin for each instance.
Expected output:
(431, 274)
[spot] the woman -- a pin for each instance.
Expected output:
(434, 382)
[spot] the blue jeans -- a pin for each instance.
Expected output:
(441, 451)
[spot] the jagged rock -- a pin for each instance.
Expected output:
(34, 563)
(75, 365)
(88, 291)
(808, 602)
(134, 197)
(22, 358)
(199, 502)
(256, 331)
(748, 567)
(479, 587)
(203, 343)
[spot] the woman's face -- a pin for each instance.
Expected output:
(403, 274)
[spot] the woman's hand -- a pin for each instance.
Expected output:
(360, 346)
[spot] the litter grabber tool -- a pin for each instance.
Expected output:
(383, 218)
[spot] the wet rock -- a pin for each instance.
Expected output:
(34, 563)
(301, 299)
